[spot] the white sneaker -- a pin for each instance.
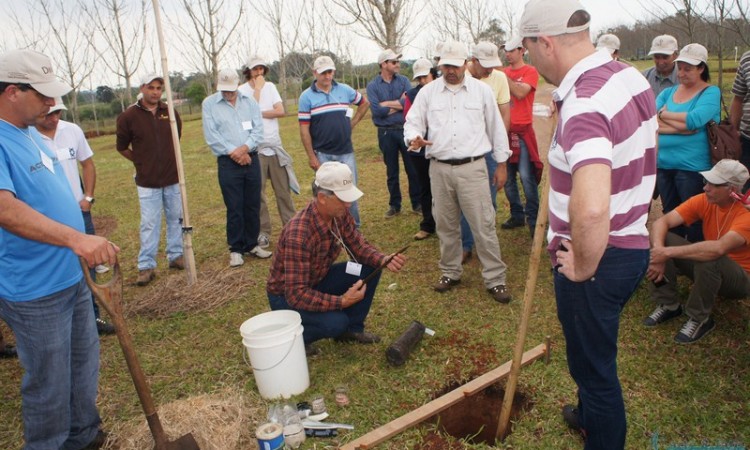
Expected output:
(263, 240)
(101, 268)
(235, 259)
(260, 253)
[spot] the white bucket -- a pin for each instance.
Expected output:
(274, 344)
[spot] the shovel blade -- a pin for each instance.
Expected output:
(186, 442)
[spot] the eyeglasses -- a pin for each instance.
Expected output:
(705, 182)
(27, 87)
(394, 62)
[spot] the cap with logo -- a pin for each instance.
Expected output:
(421, 68)
(453, 54)
(337, 177)
(58, 106)
(32, 68)
(549, 18)
(513, 43)
(149, 77)
(693, 54)
(323, 64)
(727, 171)
(388, 55)
(609, 42)
(228, 80)
(664, 45)
(255, 61)
(486, 53)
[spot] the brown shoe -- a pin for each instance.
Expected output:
(422, 235)
(145, 277)
(362, 337)
(500, 293)
(177, 263)
(445, 284)
(466, 256)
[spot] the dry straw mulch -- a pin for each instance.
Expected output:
(224, 420)
(172, 294)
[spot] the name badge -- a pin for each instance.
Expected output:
(47, 161)
(349, 113)
(353, 268)
(64, 154)
(247, 125)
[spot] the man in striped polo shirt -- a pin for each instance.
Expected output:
(602, 174)
(326, 120)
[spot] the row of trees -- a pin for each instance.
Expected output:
(88, 38)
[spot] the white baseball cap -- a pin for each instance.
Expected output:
(513, 43)
(337, 177)
(58, 106)
(421, 68)
(608, 41)
(693, 54)
(323, 64)
(255, 61)
(388, 55)
(149, 77)
(727, 171)
(486, 53)
(453, 54)
(228, 80)
(32, 68)
(664, 45)
(549, 18)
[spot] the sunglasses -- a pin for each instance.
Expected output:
(705, 182)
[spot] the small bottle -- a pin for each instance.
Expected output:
(342, 395)
(318, 404)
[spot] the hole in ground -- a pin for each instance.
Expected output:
(475, 417)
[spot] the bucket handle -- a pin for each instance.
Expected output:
(283, 358)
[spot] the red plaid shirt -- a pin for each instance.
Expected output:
(305, 252)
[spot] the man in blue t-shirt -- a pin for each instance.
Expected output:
(43, 296)
(326, 120)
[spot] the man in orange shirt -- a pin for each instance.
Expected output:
(718, 266)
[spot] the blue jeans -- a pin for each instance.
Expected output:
(349, 160)
(331, 324)
(391, 142)
(530, 190)
(58, 348)
(467, 239)
(152, 201)
(240, 187)
(88, 223)
(422, 166)
(675, 187)
(589, 313)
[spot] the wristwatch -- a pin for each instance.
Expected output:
(89, 199)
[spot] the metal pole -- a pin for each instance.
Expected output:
(187, 230)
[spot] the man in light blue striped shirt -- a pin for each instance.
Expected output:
(233, 128)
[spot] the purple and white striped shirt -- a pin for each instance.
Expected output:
(607, 116)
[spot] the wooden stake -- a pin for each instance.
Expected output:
(187, 230)
(428, 410)
(528, 299)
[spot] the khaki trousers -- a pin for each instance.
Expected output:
(465, 188)
(271, 170)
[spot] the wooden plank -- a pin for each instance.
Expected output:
(428, 410)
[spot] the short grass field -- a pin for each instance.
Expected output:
(675, 395)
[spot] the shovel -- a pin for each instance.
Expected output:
(110, 297)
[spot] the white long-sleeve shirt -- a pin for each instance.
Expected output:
(463, 123)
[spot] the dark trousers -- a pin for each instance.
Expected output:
(676, 187)
(240, 187)
(391, 142)
(422, 167)
(88, 224)
(589, 312)
(745, 157)
(330, 324)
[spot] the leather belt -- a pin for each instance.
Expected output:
(459, 162)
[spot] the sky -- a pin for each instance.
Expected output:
(605, 14)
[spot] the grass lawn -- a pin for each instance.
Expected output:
(695, 394)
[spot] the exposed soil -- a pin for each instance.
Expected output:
(104, 225)
(475, 418)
